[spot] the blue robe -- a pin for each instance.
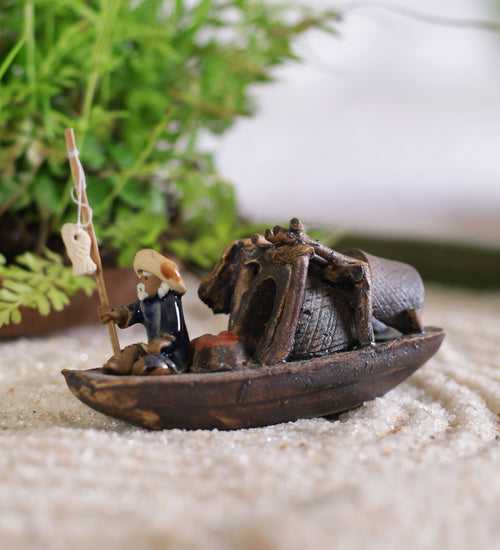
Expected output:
(162, 316)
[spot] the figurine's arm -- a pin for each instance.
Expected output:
(123, 316)
(134, 315)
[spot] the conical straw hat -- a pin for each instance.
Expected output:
(165, 269)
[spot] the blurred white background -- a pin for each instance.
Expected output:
(393, 128)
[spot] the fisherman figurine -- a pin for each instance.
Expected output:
(159, 309)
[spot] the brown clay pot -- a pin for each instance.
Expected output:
(82, 310)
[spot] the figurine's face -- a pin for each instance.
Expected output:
(148, 285)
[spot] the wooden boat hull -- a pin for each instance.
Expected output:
(260, 396)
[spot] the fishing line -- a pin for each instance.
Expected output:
(75, 236)
(82, 186)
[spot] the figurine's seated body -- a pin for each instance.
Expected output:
(159, 309)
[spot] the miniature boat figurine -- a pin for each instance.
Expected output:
(312, 332)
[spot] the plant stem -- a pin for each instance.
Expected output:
(138, 164)
(29, 32)
(11, 56)
(110, 9)
(43, 235)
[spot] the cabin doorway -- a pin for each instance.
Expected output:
(258, 313)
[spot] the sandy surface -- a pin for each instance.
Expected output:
(417, 468)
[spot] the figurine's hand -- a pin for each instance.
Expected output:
(157, 345)
(110, 314)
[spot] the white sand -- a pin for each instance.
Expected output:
(418, 468)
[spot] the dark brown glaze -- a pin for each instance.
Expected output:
(259, 396)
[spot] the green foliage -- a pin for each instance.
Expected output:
(141, 82)
(42, 283)
(130, 232)
(209, 219)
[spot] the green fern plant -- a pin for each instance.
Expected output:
(43, 283)
(142, 83)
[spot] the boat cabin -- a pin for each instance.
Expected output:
(280, 302)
